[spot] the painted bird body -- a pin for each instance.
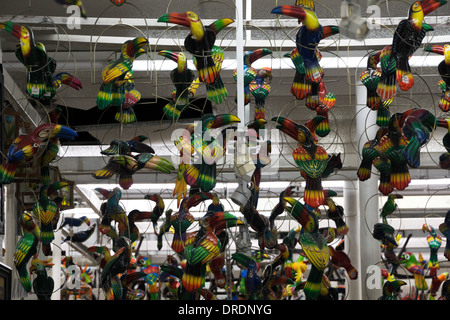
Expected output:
(416, 268)
(203, 174)
(116, 74)
(45, 210)
(114, 265)
(311, 158)
(81, 236)
(125, 166)
(203, 246)
(75, 222)
(389, 206)
(418, 126)
(444, 72)
(26, 248)
(250, 73)
(26, 147)
(407, 38)
(308, 36)
(265, 232)
(43, 284)
(32, 55)
(260, 89)
(182, 78)
(434, 242)
(313, 243)
(200, 43)
(252, 281)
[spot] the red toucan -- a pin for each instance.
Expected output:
(25, 147)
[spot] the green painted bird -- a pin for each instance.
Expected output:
(43, 285)
(182, 77)
(385, 234)
(407, 39)
(113, 265)
(370, 79)
(311, 158)
(44, 211)
(434, 243)
(260, 88)
(417, 126)
(117, 72)
(112, 210)
(250, 73)
(32, 55)
(26, 248)
(203, 245)
(416, 268)
(389, 206)
(391, 289)
(125, 166)
(200, 43)
(209, 147)
(314, 245)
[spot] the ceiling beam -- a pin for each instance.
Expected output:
(20, 101)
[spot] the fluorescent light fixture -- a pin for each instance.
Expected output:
(430, 182)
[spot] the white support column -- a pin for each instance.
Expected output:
(11, 231)
(352, 243)
(240, 62)
(56, 269)
(366, 129)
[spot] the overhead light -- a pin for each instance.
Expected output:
(352, 24)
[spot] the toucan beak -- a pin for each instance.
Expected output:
(174, 56)
(429, 6)
(292, 11)
(435, 49)
(225, 119)
(444, 123)
(293, 203)
(222, 220)
(63, 132)
(179, 18)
